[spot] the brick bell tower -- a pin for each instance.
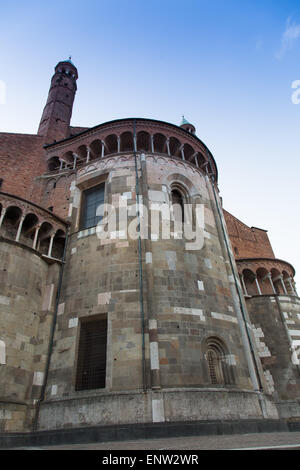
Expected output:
(56, 117)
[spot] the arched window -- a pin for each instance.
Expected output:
(177, 201)
(214, 366)
(218, 370)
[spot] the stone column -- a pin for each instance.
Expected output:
(257, 285)
(289, 280)
(204, 166)
(36, 236)
(269, 276)
(243, 284)
(2, 215)
(20, 228)
(152, 143)
(282, 283)
(88, 154)
(102, 149)
(294, 288)
(75, 160)
(119, 143)
(194, 156)
(182, 152)
(168, 146)
(61, 164)
(51, 245)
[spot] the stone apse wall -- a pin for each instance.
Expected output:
(180, 344)
(187, 301)
(185, 334)
(276, 324)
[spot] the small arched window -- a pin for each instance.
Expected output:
(178, 205)
(216, 362)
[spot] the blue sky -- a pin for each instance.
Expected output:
(228, 66)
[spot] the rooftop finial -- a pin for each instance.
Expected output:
(187, 125)
(183, 120)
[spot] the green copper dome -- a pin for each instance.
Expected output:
(184, 121)
(69, 60)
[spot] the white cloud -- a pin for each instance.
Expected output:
(288, 38)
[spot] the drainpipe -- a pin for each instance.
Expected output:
(50, 348)
(140, 256)
(240, 310)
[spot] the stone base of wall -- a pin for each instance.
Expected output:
(90, 434)
(171, 405)
(12, 417)
(289, 409)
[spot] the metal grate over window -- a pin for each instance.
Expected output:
(212, 366)
(91, 366)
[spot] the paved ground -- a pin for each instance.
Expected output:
(284, 440)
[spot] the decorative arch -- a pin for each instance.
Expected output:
(174, 146)
(126, 141)
(53, 164)
(183, 184)
(276, 279)
(264, 281)
(44, 237)
(28, 228)
(143, 141)
(58, 244)
(159, 143)
(11, 221)
(82, 153)
(188, 151)
(111, 143)
(68, 157)
(249, 282)
(96, 148)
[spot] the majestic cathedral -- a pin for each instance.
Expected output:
(119, 330)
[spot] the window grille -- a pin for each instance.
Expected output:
(91, 366)
(212, 366)
(217, 368)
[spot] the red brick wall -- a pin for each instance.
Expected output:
(247, 242)
(55, 192)
(21, 160)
